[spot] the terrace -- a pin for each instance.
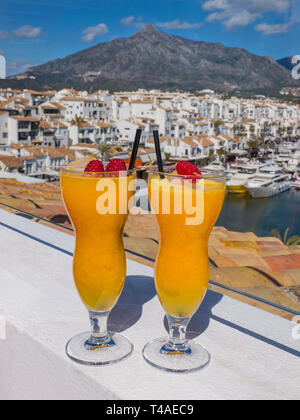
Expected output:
(254, 354)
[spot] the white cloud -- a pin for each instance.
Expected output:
(174, 24)
(91, 33)
(3, 35)
(177, 24)
(235, 13)
(132, 21)
(27, 32)
(18, 66)
(242, 18)
(128, 21)
(215, 5)
(267, 29)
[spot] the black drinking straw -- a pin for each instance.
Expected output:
(158, 151)
(136, 144)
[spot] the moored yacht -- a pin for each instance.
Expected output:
(293, 164)
(268, 184)
(236, 184)
(216, 165)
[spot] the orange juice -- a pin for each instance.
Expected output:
(99, 264)
(182, 266)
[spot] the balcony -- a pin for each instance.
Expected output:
(253, 353)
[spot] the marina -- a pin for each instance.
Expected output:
(264, 176)
(263, 194)
(243, 214)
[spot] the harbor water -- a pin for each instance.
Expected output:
(245, 214)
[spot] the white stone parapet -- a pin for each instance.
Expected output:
(254, 354)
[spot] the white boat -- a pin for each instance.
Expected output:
(296, 184)
(296, 180)
(216, 165)
(268, 184)
(293, 164)
(270, 168)
(236, 184)
(283, 157)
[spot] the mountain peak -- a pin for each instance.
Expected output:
(153, 59)
(149, 29)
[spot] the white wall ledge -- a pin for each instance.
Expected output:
(253, 353)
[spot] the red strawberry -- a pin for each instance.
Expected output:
(187, 168)
(94, 166)
(116, 165)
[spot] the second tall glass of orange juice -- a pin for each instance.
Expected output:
(186, 211)
(98, 206)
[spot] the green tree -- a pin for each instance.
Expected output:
(217, 125)
(242, 130)
(294, 240)
(260, 140)
(235, 129)
(211, 154)
(78, 121)
(222, 153)
(252, 144)
(104, 150)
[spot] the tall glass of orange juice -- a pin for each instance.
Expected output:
(186, 209)
(98, 204)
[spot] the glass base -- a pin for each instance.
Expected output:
(191, 357)
(82, 349)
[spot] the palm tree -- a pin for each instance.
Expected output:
(104, 150)
(211, 155)
(252, 144)
(280, 131)
(260, 140)
(242, 130)
(253, 147)
(217, 125)
(294, 240)
(236, 129)
(78, 121)
(222, 153)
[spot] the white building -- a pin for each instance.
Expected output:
(2, 67)
(22, 130)
(3, 128)
(82, 107)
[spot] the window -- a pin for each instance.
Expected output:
(23, 124)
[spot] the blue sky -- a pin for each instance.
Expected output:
(36, 31)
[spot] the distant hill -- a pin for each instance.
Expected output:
(286, 62)
(153, 59)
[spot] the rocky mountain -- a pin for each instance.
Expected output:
(153, 59)
(286, 62)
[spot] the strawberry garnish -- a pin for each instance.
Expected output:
(187, 168)
(94, 166)
(116, 165)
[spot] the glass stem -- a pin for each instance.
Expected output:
(178, 342)
(100, 336)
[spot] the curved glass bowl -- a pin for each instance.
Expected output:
(186, 209)
(98, 205)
